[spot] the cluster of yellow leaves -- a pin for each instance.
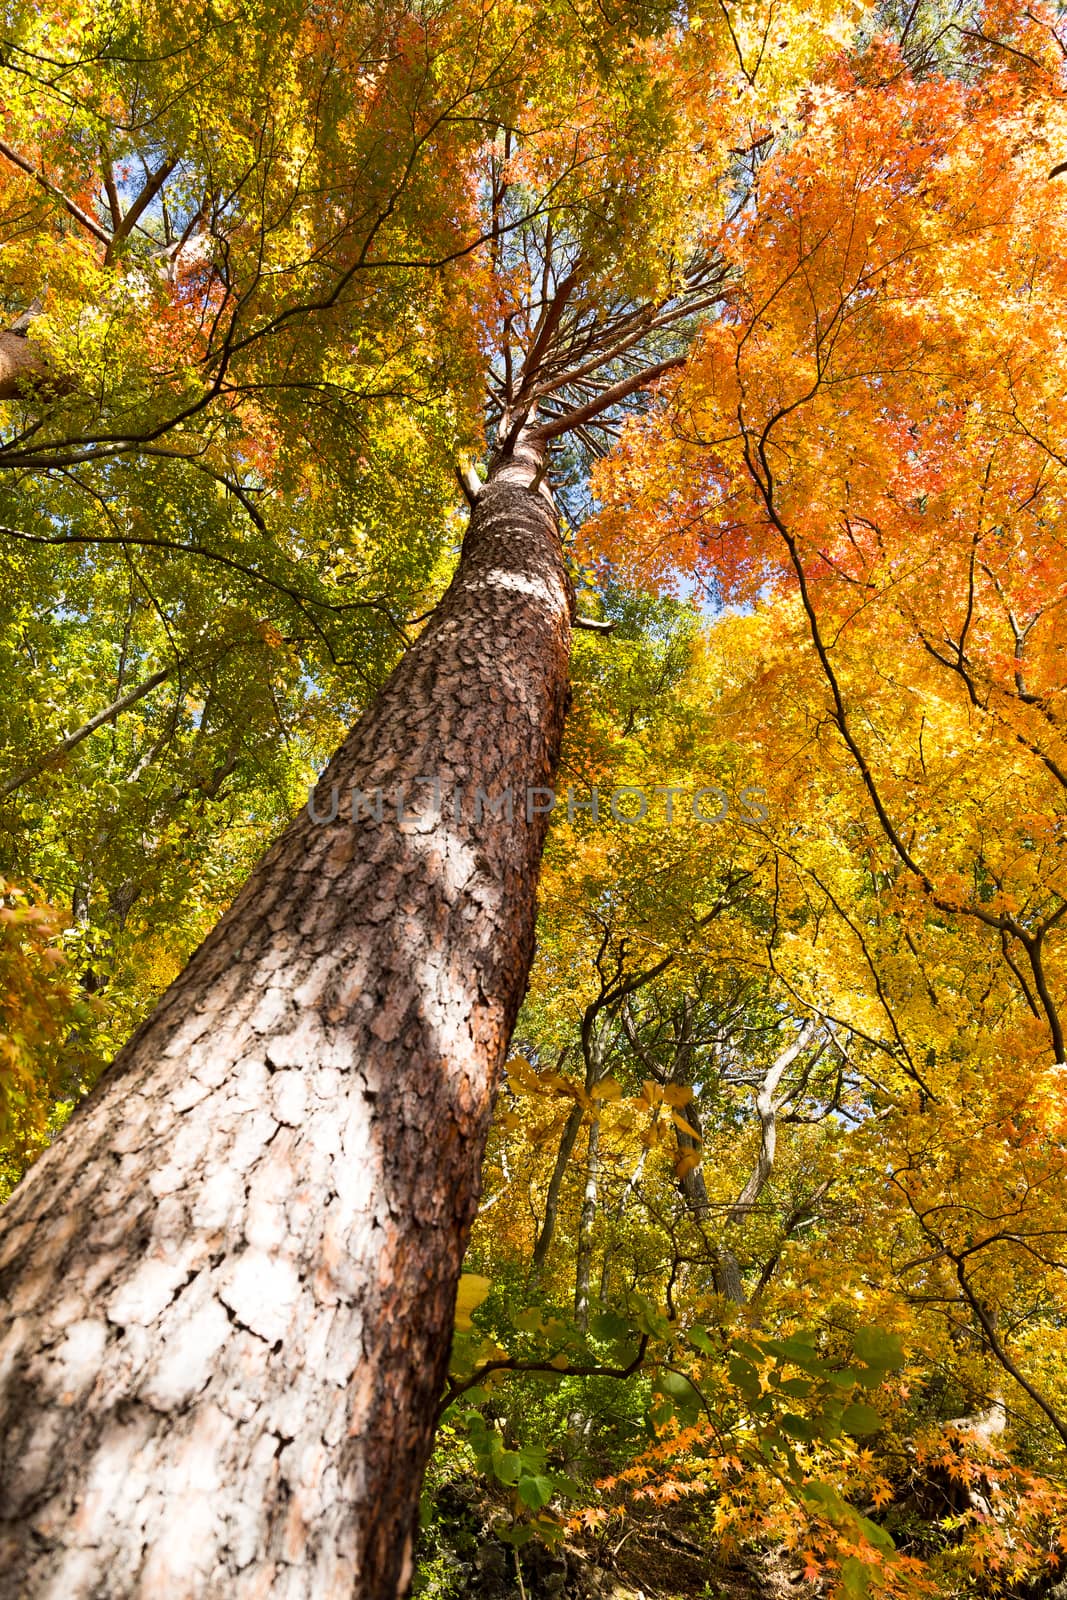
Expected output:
(41, 1014)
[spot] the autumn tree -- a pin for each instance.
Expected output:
(252, 291)
(244, 1249)
(865, 452)
(857, 1160)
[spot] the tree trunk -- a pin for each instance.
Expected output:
(543, 1243)
(725, 1268)
(227, 1290)
(694, 1187)
(617, 1215)
(584, 1261)
(593, 1048)
(24, 370)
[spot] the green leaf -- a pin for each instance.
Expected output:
(873, 1533)
(562, 1484)
(855, 1578)
(744, 1377)
(674, 1395)
(610, 1326)
(877, 1348)
(800, 1346)
(535, 1492)
(529, 1320)
(533, 1457)
(461, 1358)
(516, 1536)
(507, 1465)
(860, 1419)
(802, 1428)
(824, 1499)
(796, 1388)
(648, 1320)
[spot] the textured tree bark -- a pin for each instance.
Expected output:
(23, 368)
(227, 1290)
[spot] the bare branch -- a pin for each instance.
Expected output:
(610, 397)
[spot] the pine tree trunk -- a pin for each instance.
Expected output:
(226, 1292)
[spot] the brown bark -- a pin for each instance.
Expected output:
(227, 1289)
(24, 369)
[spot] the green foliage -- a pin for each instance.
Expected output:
(284, 268)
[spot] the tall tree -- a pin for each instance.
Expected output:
(228, 1285)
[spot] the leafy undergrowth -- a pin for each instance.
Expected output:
(663, 1555)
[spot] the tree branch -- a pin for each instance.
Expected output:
(75, 211)
(126, 226)
(603, 402)
(454, 1390)
(109, 714)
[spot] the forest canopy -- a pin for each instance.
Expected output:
(761, 309)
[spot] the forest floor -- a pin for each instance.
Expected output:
(653, 1570)
(656, 1558)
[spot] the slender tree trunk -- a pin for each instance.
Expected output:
(586, 1223)
(725, 1269)
(543, 1243)
(693, 1185)
(227, 1290)
(617, 1215)
(593, 1047)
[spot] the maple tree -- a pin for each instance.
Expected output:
(868, 437)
